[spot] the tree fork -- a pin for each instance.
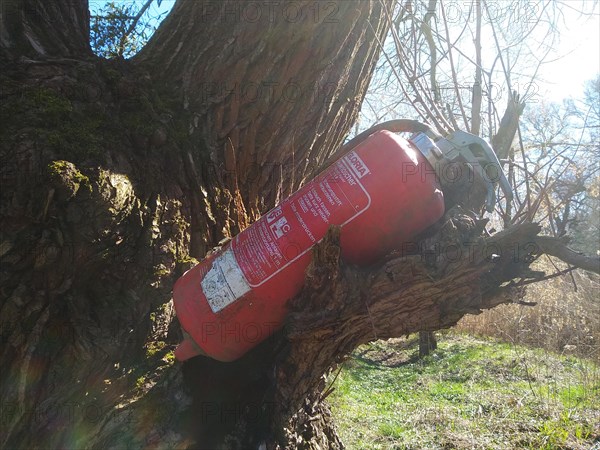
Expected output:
(269, 96)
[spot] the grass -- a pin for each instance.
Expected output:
(471, 393)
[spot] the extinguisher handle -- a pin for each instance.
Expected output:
(395, 126)
(501, 177)
(479, 153)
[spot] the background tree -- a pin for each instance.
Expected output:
(433, 65)
(585, 221)
(120, 30)
(117, 174)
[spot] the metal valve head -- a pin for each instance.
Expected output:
(479, 153)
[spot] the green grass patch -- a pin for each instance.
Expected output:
(470, 393)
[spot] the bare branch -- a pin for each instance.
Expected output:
(454, 77)
(476, 101)
(137, 17)
(556, 247)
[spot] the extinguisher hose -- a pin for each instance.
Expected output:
(395, 126)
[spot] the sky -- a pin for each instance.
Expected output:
(577, 57)
(575, 60)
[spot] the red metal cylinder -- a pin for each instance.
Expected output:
(382, 193)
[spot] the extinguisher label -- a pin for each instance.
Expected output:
(225, 282)
(280, 227)
(288, 232)
(357, 165)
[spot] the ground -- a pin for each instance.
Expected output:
(471, 393)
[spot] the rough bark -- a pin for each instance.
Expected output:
(283, 384)
(268, 90)
(44, 29)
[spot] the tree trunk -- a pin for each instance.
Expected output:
(268, 89)
(115, 174)
(427, 343)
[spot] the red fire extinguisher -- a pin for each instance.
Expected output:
(382, 192)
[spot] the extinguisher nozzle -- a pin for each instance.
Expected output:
(188, 349)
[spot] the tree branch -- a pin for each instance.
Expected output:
(137, 17)
(477, 90)
(504, 137)
(556, 247)
(343, 306)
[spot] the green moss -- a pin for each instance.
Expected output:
(67, 179)
(77, 139)
(39, 107)
(154, 347)
(139, 383)
(64, 126)
(187, 260)
(138, 122)
(59, 168)
(110, 73)
(169, 358)
(54, 107)
(184, 263)
(180, 131)
(51, 118)
(161, 272)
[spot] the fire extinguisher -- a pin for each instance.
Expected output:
(382, 191)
